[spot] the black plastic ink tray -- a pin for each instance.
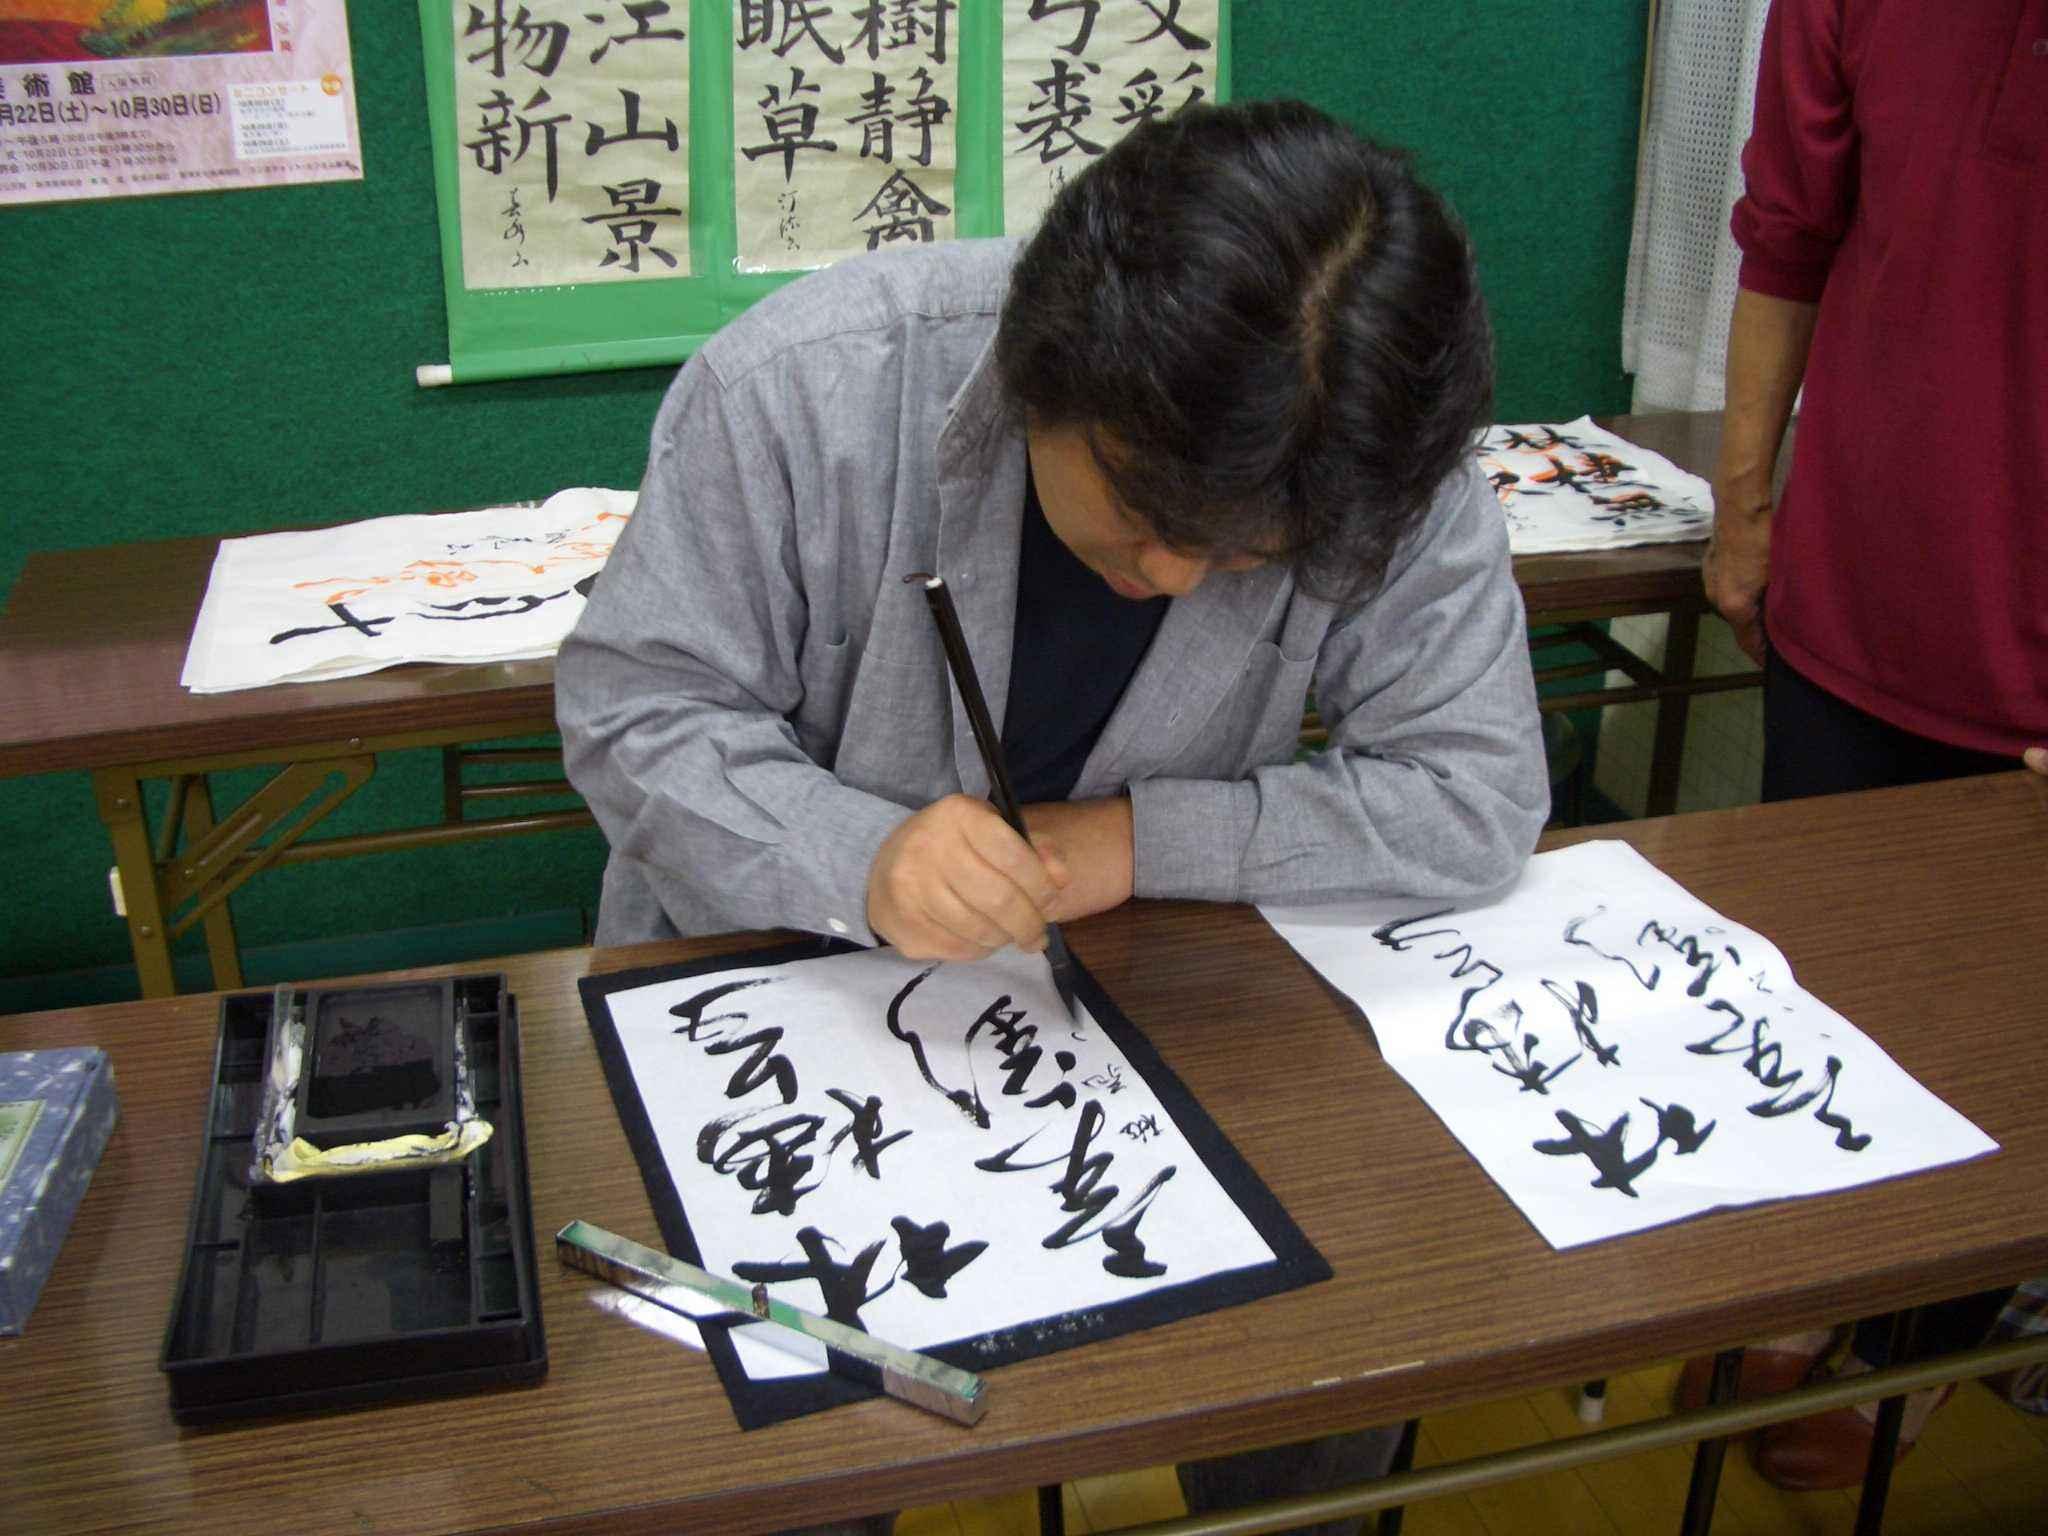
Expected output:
(364, 1288)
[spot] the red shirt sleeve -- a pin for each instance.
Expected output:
(1799, 166)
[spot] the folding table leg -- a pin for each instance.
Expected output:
(1884, 1443)
(1708, 1455)
(1389, 1521)
(1052, 1514)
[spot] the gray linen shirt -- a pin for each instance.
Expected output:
(754, 696)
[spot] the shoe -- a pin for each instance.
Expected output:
(1776, 1365)
(1832, 1449)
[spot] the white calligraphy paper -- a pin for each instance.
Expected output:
(1618, 1055)
(1578, 486)
(1080, 74)
(499, 584)
(938, 1154)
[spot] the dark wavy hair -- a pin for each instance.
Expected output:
(1271, 331)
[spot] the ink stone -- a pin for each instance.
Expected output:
(380, 1063)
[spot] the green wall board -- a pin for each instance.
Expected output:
(225, 363)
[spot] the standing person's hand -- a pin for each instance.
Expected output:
(2036, 758)
(954, 882)
(1738, 563)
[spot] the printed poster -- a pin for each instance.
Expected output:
(939, 1155)
(572, 121)
(843, 129)
(123, 98)
(1079, 74)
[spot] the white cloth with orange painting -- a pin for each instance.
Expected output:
(500, 584)
(1578, 486)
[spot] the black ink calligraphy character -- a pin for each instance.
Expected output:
(893, 25)
(1082, 1191)
(767, 1159)
(1699, 957)
(1167, 14)
(665, 135)
(1060, 109)
(864, 1125)
(968, 1102)
(1676, 1124)
(1571, 936)
(1606, 1152)
(844, 1286)
(1017, 1044)
(692, 1010)
(789, 124)
(521, 36)
(1584, 1011)
(643, 14)
(348, 621)
(799, 18)
(766, 1065)
(902, 211)
(927, 1262)
(1089, 9)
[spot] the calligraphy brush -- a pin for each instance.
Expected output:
(961, 663)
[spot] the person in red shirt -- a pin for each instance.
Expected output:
(1893, 228)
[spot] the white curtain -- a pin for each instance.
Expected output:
(1682, 260)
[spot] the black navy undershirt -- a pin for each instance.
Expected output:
(1076, 649)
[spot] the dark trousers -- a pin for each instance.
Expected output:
(1814, 744)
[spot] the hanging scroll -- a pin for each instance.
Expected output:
(619, 178)
(843, 129)
(1078, 74)
(571, 127)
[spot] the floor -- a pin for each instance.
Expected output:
(1981, 1469)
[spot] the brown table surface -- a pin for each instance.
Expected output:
(1916, 912)
(93, 640)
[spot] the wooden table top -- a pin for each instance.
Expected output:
(93, 640)
(1917, 913)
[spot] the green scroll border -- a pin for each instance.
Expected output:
(508, 333)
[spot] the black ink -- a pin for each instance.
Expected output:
(1695, 954)
(1585, 1013)
(692, 1011)
(1605, 1152)
(1762, 1061)
(767, 1159)
(1571, 936)
(765, 1065)
(1082, 1191)
(927, 1262)
(844, 1285)
(1523, 1065)
(1017, 1044)
(1677, 1125)
(864, 1125)
(1466, 964)
(348, 621)
(967, 1101)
